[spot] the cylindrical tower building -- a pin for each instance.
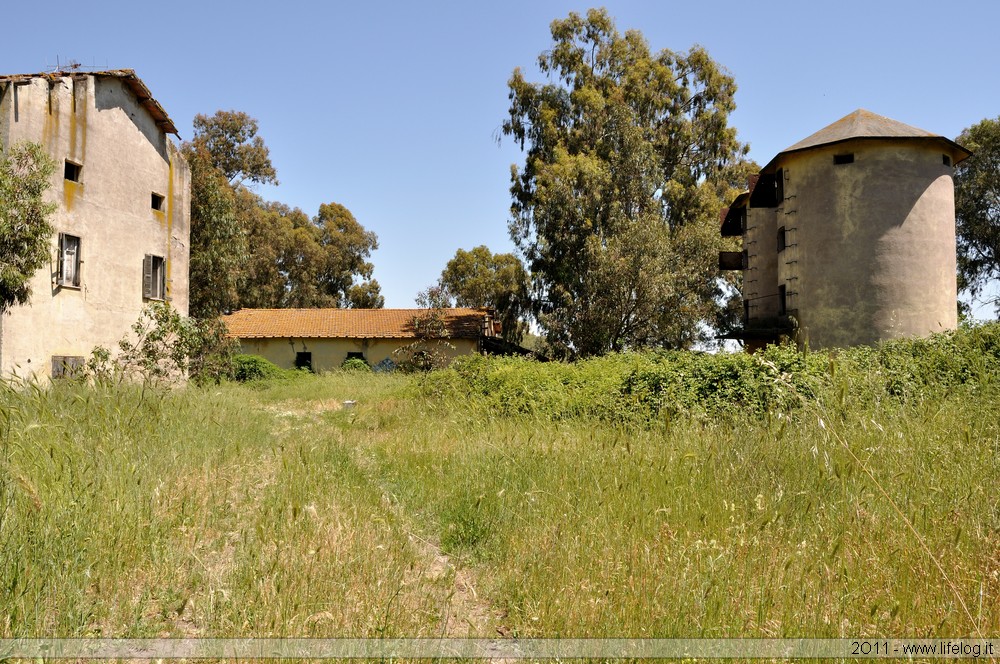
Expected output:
(863, 214)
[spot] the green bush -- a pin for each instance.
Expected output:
(164, 345)
(355, 364)
(643, 387)
(247, 368)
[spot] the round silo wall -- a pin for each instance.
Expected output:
(875, 241)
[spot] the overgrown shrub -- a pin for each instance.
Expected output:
(247, 368)
(642, 387)
(355, 364)
(164, 346)
(682, 382)
(430, 349)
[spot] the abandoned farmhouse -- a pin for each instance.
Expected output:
(849, 236)
(322, 339)
(122, 191)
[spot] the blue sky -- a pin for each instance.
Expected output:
(393, 109)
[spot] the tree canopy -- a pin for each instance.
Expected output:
(977, 208)
(248, 252)
(218, 238)
(480, 278)
(230, 137)
(25, 231)
(629, 157)
(298, 261)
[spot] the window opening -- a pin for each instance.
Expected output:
(71, 171)
(69, 261)
(157, 201)
(154, 277)
(841, 159)
(781, 239)
(304, 360)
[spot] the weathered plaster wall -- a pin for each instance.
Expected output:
(761, 275)
(329, 354)
(125, 158)
(875, 242)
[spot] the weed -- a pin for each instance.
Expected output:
(661, 494)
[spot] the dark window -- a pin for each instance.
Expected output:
(157, 202)
(765, 191)
(781, 239)
(304, 360)
(946, 160)
(354, 355)
(779, 186)
(782, 300)
(732, 260)
(734, 223)
(841, 159)
(69, 261)
(72, 171)
(154, 278)
(746, 311)
(67, 366)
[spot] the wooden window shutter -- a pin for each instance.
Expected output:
(147, 276)
(77, 269)
(163, 283)
(60, 271)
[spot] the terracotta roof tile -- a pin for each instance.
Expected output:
(345, 323)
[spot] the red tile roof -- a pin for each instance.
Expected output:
(346, 323)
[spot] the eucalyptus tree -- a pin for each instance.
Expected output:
(480, 278)
(248, 252)
(629, 157)
(977, 208)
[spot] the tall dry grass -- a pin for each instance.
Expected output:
(224, 511)
(649, 495)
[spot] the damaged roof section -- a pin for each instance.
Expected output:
(127, 76)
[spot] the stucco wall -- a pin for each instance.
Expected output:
(125, 158)
(329, 354)
(874, 242)
(761, 277)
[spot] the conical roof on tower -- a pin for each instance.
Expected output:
(865, 125)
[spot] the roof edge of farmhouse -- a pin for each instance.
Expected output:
(467, 323)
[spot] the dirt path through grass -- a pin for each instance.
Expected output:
(451, 583)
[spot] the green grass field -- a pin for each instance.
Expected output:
(828, 496)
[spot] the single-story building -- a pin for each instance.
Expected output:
(322, 339)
